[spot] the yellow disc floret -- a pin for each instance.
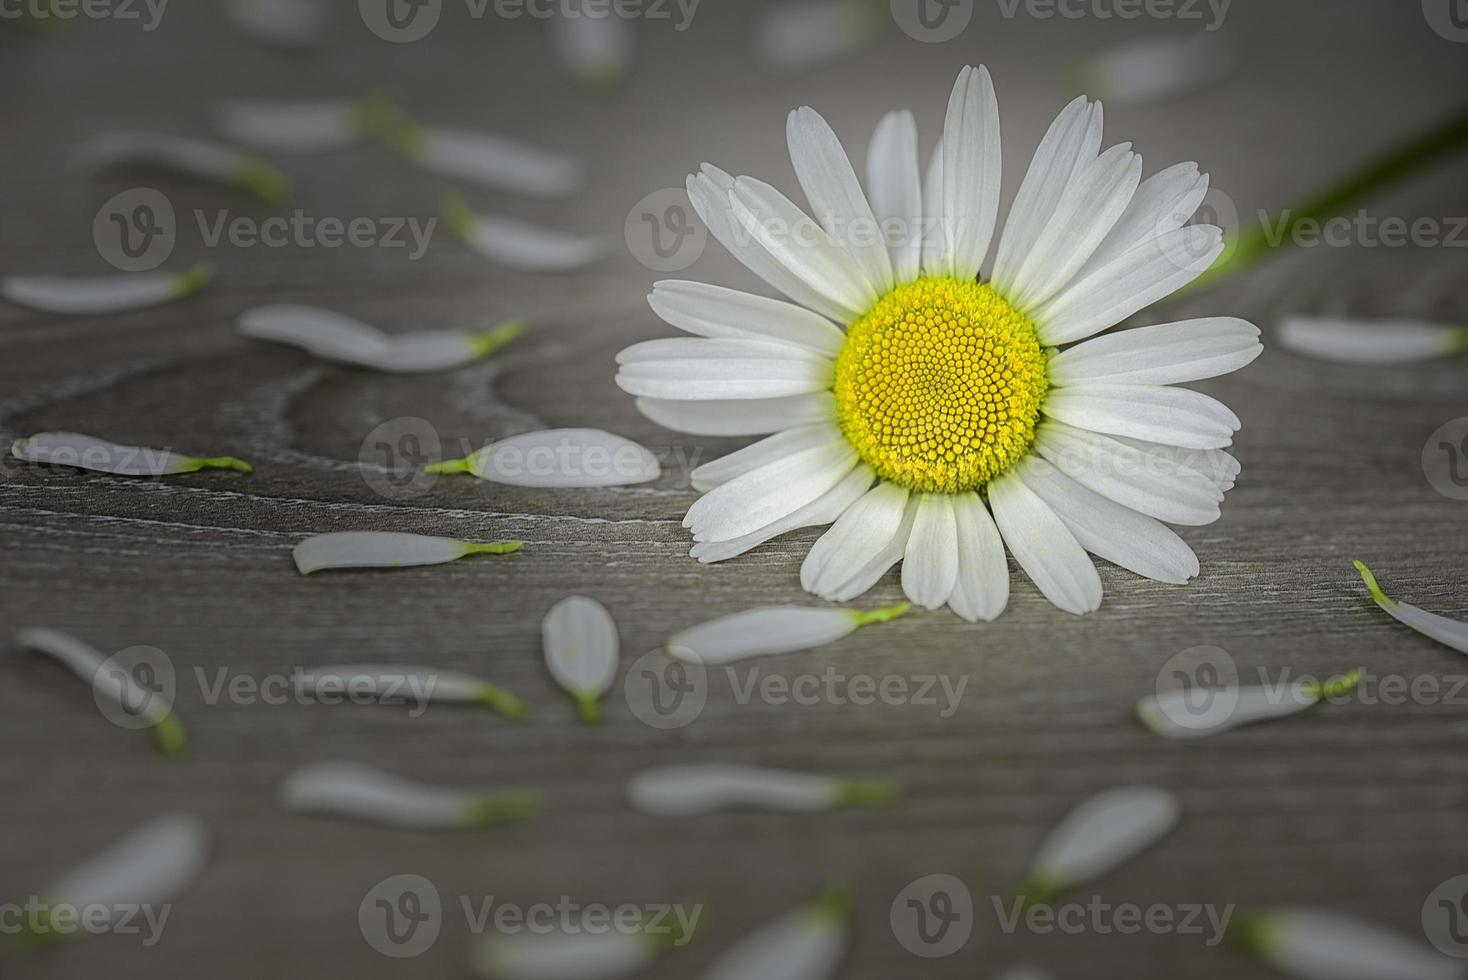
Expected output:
(939, 386)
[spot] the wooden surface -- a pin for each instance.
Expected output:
(1359, 807)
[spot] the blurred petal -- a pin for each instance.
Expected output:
(693, 790)
(90, 453)
(387, 549)
(1098, 836)
(1449, 632)
(198, 159)
(1154, 69)
(356, 791)
(104, 294)
(396, 683)
(519, 245)
(581, 648)
(1318, 945)
(1371, 341)
(771, 630)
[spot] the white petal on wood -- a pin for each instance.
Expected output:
(1101, 834)
(152, 865)
(288, 24)
(771, 630)
(103, 294)
(1449, 632)
(1189, 714)
(196, 158)
(361, 792)
(805, 944)
(1380, 342)
(386, 549)
(559, 458)
(581, 648)
(517, 244)
(1315, 944)
(90, 453)
(697, 789)
(293, 127)
(493, 160)
(400, 683)
(1158, 68)
(594, 49)
(561, 955)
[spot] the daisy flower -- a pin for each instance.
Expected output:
(937, 417)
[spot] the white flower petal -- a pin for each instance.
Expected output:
(103, 294)
(1164, 202)
(835, 195)
(793, 239)
(152, 865)
(714, 311)
(297, 127)
(803, 35)
(1119, 287)
(1319, 945)
(594, 49)
(1044, 546)
(693, 790)
(895, 185)
(771, 630)
(764, 495)
(118, 686)
(1156, 68)
(750, 417)
(1169, 353)
(935, 248)
(804, 944)
(1087, 211)
(337, 337)
(581, 647)
(707, 349)
(709, 191)
(930, 561)
(559, 458)
(356, 791)
(1449, 632)
(517, 244)
(561, 955)
(1144, 479)
(399, 683)
(1068, 146)
(1157, 413)
(496, 161)
(90, 453)
(709, 373)
(762, 453)
(1189, 713)
(387, 549)
(823, 510)
(981, 590)
(291, 24)
(1099, 835)
(1107, 529)
(1371, 341)
(199, 159)
(859, 535)
(971, 172)
(867, 575)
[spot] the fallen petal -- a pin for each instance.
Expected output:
(90, 453)
(594, 50)
(559, 458)
(104, 294)
(400, 683)
(803, 35)
(349, 789)
(301, 127)
(336, 337)
(581, 647)
(388, 549)
(1098, 836)
(1449, 632)
(561, 955)
(517, 244)
(1179, 714)
(290, 24)
(693, 790)
(772, 630)
(1371, 341)
(1320, 945)
(804, 944)
(199, 159)
(1156, 69)
(489, 159)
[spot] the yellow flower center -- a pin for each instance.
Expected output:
(939, 386)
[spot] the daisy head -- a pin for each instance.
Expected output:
(936, 416)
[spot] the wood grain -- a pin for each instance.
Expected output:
(1358, 807)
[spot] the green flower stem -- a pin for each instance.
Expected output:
(458, 216)
(379, 116)
(196, 463)
(264, 181)
(1040, 888)
(193, 279)
(502, 701)
(34, 937)
(490, 811)
(589, 708)
(1256, 932)
(834, 904)
(492, 547)
(1389, 168)
(450, 466)
(678, 934)
(883, 615)
(1370, 580)
(867, 794)
(170, 735)
(486, 343)
(1336, 687)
